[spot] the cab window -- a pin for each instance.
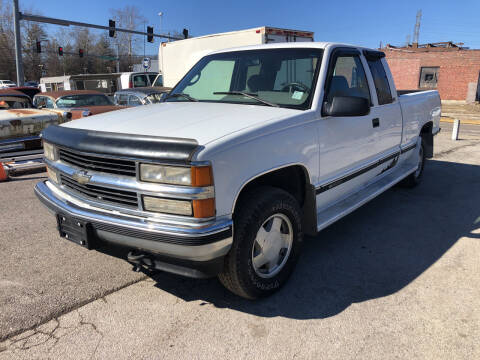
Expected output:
(133, 100)
(380, 79)
(121, 99)
(347, 78)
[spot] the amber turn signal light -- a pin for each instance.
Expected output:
(202, 176)
(204, 208)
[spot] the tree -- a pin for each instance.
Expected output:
(7, 43)
(129, 18)
(31, 33)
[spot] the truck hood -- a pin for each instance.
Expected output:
(201, 121)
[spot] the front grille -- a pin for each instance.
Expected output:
(98, 163)
(107, 195)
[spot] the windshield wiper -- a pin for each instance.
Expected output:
(186, 96)
(251, 96)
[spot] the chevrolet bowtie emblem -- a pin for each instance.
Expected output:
(81, 177)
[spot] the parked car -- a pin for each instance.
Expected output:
(31, 84)
(7, 84)
(20, 127)
(129, 80)
(80, 103)
(140, 96)
(27, 90)
(242, 159)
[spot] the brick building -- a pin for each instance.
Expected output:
(449, 68)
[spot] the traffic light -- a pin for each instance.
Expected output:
(111, 24)
(80, 52)
(60, 51)
(150, 33)
(185, 33)
(39, 47)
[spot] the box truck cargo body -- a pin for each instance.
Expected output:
(177, 57)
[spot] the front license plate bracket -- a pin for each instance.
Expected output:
(75, 230)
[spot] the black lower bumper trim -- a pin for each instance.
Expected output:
(165, 238)
(188, 268)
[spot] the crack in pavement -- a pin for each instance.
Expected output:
(37, 331)
(68, 310)
(33, 339)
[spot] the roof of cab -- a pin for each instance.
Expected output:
(290, 45)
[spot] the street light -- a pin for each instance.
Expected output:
(160, 14)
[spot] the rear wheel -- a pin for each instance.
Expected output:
(414, 178)
(266, 244)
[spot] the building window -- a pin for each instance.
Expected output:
(429, 77)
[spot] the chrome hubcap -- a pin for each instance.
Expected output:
(272, 245)
(420, 162)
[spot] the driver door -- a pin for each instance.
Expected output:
(347, 143)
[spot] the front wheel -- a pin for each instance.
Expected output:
(266, 243)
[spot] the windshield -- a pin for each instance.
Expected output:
(278, 77)
(83, 100)
(11, 102)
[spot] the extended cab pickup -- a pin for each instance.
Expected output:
(252, 149)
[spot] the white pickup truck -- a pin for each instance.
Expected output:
(252, 149)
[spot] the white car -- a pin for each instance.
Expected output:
(130, 80)
(4, 84)
(252, 149)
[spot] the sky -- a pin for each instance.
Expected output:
(365, 23)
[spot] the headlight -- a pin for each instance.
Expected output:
(49, 151)
(52, 175)
(166, 174)
(176, 175)
(178, 207)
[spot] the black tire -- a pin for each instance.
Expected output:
(415, 178)
(239, 275)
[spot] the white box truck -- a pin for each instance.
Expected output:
(177, 57)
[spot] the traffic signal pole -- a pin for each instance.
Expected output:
(49, 20)
(18, 44)
(17, 15)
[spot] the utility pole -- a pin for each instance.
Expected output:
(416, 30)
(18, 44)
(118, 57)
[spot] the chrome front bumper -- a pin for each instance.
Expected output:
(199, 243)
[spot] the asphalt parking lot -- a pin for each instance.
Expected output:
(398, 278)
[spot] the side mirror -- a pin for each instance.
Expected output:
(347, 106)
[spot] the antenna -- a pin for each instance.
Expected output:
(416, 31)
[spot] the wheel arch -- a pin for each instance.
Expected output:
(427, 134)
(293, 178)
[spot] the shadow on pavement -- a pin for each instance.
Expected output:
(372, 253)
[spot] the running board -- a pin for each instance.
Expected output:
(329, 215)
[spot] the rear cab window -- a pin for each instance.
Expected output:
(380, 79)
(140, 80)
